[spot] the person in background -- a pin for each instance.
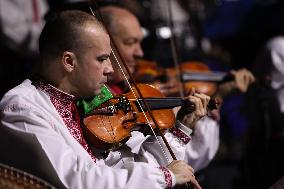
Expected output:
(265, 114)
(20, 25)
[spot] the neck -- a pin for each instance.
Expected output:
(56, 79)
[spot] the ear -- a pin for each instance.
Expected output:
(69, 61)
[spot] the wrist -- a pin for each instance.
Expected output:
(169, 176)
(182, 132)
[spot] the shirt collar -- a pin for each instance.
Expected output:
(53, 91)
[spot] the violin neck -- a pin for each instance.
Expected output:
(197, 76)
(161, 103)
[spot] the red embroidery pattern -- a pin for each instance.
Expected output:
(181, 135)
(66, 106)
(168, 177)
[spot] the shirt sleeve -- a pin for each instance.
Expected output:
(204, 143)
(196, 149)
(55, 160)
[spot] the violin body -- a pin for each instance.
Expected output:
(165, 117)
(206, 87)
(110, 125)
(147, 71)
(108, 130)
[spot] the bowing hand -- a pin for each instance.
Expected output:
(184, 173)
(243, 78)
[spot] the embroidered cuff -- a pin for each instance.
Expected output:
(169, 177)
(182, 132)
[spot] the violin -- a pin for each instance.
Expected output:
(194, 74)
(147, 71)
(109, 126)
(198, 75)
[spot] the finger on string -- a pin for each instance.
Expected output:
(198, 104)
(204, 98)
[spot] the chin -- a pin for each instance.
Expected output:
(97, 92)
(132, 70)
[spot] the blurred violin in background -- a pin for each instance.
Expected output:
(147, 71)
(194, 74)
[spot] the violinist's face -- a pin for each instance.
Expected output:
(93, 65)
(127, 37)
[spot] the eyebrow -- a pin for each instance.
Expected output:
(103, 56)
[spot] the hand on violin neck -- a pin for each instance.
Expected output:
(243, 78)
(193, 111)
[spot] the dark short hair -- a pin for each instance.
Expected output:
(62, 32)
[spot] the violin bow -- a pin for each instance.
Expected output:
(175, 50)
(134, 83)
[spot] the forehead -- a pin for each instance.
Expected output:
(129, 27)
(93, 30)
(95, 36)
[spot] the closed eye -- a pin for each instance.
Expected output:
(131, 41)
(103, 58)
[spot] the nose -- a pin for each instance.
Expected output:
(138, 51)
(108, 69)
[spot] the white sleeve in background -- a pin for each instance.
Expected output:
(204, 143)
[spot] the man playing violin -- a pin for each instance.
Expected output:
(40, 128)
(127, 35)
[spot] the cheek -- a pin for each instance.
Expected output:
(115, 65)
(129, 53)
(96, 75)
(91, 75)
(126, 52)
